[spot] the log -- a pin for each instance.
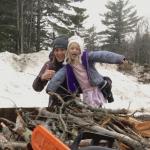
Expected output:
(13, 145)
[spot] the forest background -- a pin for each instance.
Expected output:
(28, 26)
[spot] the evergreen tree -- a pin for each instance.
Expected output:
(65, 21)
(120, 20)
(92, 39)
(139, 47)
(78, 19)
(29, 25)
(7, 26)
(142, 46)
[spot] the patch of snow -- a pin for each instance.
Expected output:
(127, 92)
(17, 73)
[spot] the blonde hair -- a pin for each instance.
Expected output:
(80, 42)
(68, 59)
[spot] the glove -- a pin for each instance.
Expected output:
(106, 89)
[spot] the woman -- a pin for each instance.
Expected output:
(48, 70)
(81, 73)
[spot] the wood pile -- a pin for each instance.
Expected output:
(144, 74)
(68, 118)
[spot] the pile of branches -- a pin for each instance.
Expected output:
(144, 74)
(68, 118)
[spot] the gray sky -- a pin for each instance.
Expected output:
(95, 7)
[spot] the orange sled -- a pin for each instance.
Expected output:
(42, 139)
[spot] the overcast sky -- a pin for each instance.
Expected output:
(95, 7)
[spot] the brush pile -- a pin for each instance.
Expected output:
(65, 120)
(144, 74)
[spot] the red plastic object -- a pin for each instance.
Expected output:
(42, 139)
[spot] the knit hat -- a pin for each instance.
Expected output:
(60, 42)
(78, 40)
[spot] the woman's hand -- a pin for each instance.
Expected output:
(47, 75)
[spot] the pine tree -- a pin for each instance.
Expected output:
(92, 39)
(7, 26)
(29, 25)
(65, 21)
(120, 20)
(142, 46)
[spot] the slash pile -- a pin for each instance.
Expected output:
(68, 118)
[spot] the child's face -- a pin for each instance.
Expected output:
(74, 51)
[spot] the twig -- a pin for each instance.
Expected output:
(60, 113)
(6, 121)
(13, 145)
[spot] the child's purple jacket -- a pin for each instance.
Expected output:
(88, 60)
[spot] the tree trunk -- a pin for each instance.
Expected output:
(18, 27)
(30, 27)
(21, 29)
(38, 26)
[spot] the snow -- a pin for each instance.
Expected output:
(128, 93)
(17, 73)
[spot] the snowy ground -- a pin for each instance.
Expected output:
(18, 72)
(17, 75)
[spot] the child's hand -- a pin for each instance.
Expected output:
(125, 61)
(126, 65)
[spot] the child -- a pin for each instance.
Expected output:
(81, 73)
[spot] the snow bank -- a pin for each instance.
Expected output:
(18, 72)
(128, 93)
(17, 75)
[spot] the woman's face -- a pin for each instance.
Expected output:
(74, 51)
(59, 53)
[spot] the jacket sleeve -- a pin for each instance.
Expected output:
(57, 80)
(105, 57)
(38, 85)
